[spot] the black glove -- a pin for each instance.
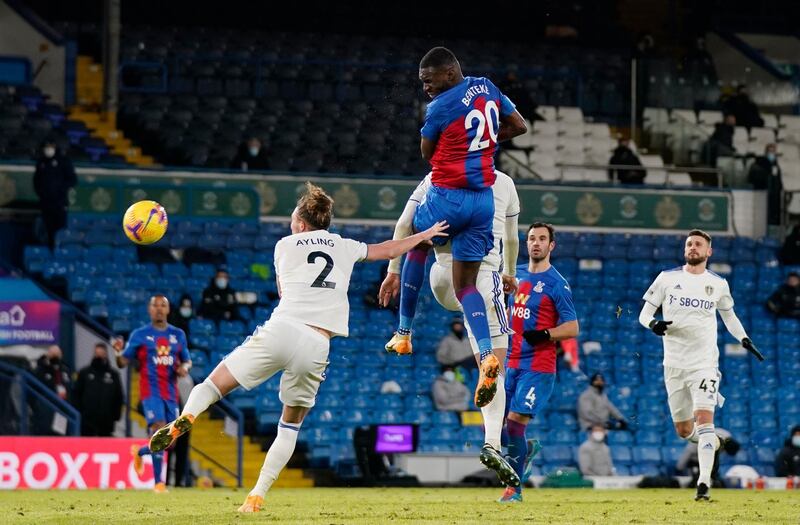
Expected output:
(659, 327)
(536, 336)
(747, 343)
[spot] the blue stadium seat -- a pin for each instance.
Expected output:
(648, 437)
(619, 438)
(445, 418)
(647, 454)
(561, 436)
(562, 455)
(621, 454)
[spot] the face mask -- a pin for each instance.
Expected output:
(598, 436)
(49, 152)
(221, 282)
(458, 333)
(186, 311)
(253, 151)
(98, 362)
(771, 157)
(55, 360)
(449, 376)
(599, 388)
(796, 441)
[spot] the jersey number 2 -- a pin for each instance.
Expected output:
(475, 115)
(320, 281)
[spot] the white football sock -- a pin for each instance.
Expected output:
(202, 396)
(278, 456)
(707, 445)
(493, 414)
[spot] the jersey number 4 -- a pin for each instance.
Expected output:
(482, 118)
(320, 281)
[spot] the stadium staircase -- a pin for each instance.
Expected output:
(89, 80)
(216, 448)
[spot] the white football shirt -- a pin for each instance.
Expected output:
(506, 204)
(691, 302)
(313, 269)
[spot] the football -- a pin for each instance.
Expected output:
(145, 222)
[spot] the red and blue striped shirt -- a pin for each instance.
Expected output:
(159, 354)
(543, 301)
(464, 122)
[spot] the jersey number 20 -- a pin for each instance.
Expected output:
(320, 281)
(482, 119)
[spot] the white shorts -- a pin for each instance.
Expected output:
(490, 286)
(690, 390)
(297, 349)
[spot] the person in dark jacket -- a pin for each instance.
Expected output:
(790, 252)
(180, 316)
(785, 301)
(720, 143)
(98, 395)
(787, 462)
(251, 156)
(743, 108)
(55, 374)
(624, 156)
(765, 174)
(52, 180)
(219, 299)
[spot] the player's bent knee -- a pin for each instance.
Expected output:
(294, 414)
(684, 428)
(703, 416)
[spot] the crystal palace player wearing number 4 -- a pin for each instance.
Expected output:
(541, 313)
(689, 297)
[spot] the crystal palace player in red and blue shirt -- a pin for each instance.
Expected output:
(466, 119)
(162, 353)
(541, 312)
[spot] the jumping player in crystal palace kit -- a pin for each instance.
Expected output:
(163, 355)
(465, 121)
(496, 276)
(541, 313)
(689, 297)
(313, 268)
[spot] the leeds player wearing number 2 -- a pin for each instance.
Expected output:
(496, 276)
(464, 122)
(689, 297)
(313, 268)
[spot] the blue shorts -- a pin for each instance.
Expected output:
(527, 392)
(470, 214)
(157, 410)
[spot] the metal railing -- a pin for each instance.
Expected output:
(229, 411)
(32, 389)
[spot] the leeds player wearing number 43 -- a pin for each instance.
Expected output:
(313, 269)
(465, 120)
(689, 297)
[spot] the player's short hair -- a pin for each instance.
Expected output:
(550, 230)
(157, 296)
(438, 57)
(315, 207)
(701, 233)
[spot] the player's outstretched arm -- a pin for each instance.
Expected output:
(735, 328)
(396, 248)
(511, 126)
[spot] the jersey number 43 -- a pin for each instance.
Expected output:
(480, 118)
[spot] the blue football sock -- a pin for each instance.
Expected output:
(475, 314)
(144, 450)
(411, 279)
(517, 446)
(157, 460)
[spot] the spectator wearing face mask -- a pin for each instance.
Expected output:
(53, 372)
(765, 174)
(219, 299)
(251, 156)
(454, 348)
(787, 463)
(448, 392)
(52, 180)
(594, 456)
(785, 301)
(180, 316)
(98, 395)
(594, 407)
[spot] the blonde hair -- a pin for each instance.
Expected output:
(315, 207)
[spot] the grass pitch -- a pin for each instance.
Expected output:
(382, 506)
